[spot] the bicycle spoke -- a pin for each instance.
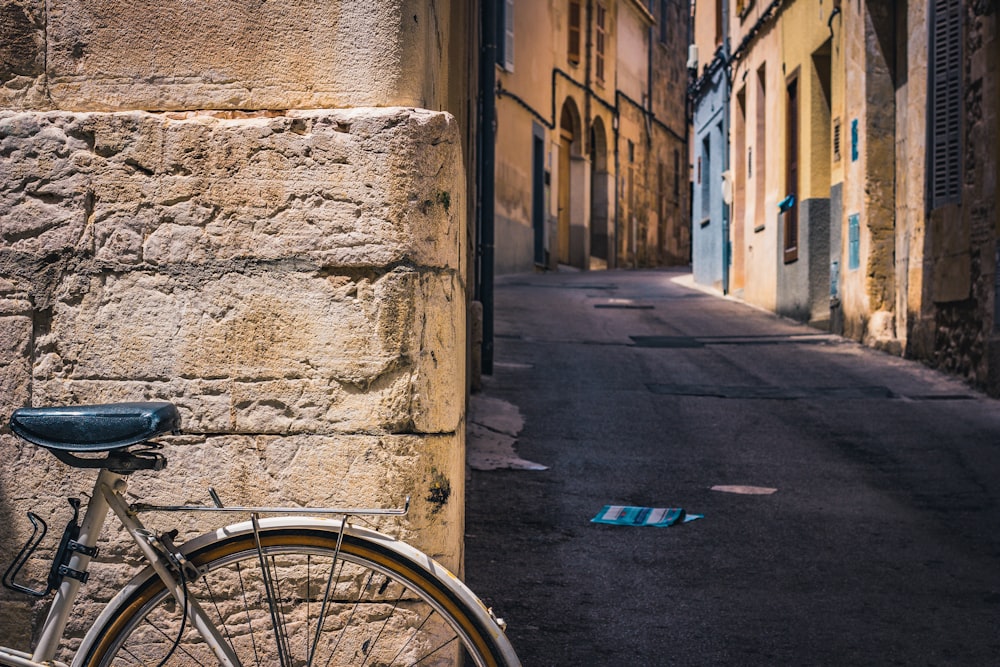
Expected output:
(169, 639)
(338, 608)
(279, 614)
(331, 585)
(395, 604)
(428, 655)
(350, 618)
(246, 610)
(415, 632)
(225, 626)
(283, 654)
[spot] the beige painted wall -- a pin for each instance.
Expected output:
(759, 77)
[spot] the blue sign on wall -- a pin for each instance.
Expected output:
(854, 140)
(853, 241)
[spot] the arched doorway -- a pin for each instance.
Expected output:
(600, 194)
(569, 197)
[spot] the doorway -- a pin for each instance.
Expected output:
(600, 197)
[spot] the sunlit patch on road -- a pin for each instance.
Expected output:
(745, 490)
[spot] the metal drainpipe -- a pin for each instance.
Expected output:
(486, 156)
(726, 250)
(649, 149)
(585, 139)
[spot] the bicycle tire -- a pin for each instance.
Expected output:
(381, 603)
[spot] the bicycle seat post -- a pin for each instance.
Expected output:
(90, 529)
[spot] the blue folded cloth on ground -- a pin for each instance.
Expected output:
(657, 517)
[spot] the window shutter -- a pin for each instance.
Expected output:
(663, 21)
(599, 45)
(573, 48)
(508, 42)
(946, 103)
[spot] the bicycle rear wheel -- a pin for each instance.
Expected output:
(298, 600)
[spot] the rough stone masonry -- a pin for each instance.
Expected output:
(292, 278)
(291, 282)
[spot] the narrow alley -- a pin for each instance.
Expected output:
(850, 498)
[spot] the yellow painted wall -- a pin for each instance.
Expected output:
(534, 93)
(542, 25)
(804, 35)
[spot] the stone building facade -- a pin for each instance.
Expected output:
(591, 141)
(259, 212)
(864, 142)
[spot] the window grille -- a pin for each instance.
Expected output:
(836, 140)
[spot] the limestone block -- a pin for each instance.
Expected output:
(358, 188)
(22, 53)
(273, 352)
(242, 54)
(15, 354)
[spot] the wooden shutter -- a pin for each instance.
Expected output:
(791, 214)
(573, 50)
(945, 72)
(599, 43)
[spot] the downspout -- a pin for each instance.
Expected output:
(726, 245)
(585, 139)
(585, 146)
(649, 148)
(485, 168)
(688, 120)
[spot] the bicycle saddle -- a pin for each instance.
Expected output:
(94, 428)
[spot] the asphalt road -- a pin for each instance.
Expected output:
(879, 546)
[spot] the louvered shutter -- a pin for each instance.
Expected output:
(946, 103)
(508, 42)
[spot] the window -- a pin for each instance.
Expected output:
(663, 21)
(505, 35)
(719, 10)
(705, 176)
(945, 93)
(758, 153)
(791, 208)
(661, 191)
(599, 45)
(677, 174)
(573, 51)
(836, 140)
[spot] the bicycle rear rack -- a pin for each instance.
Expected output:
(238, 509)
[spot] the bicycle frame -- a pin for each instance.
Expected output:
(108, 495)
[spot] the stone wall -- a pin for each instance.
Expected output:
(176, 223)
(238, 54)
(294, 283)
